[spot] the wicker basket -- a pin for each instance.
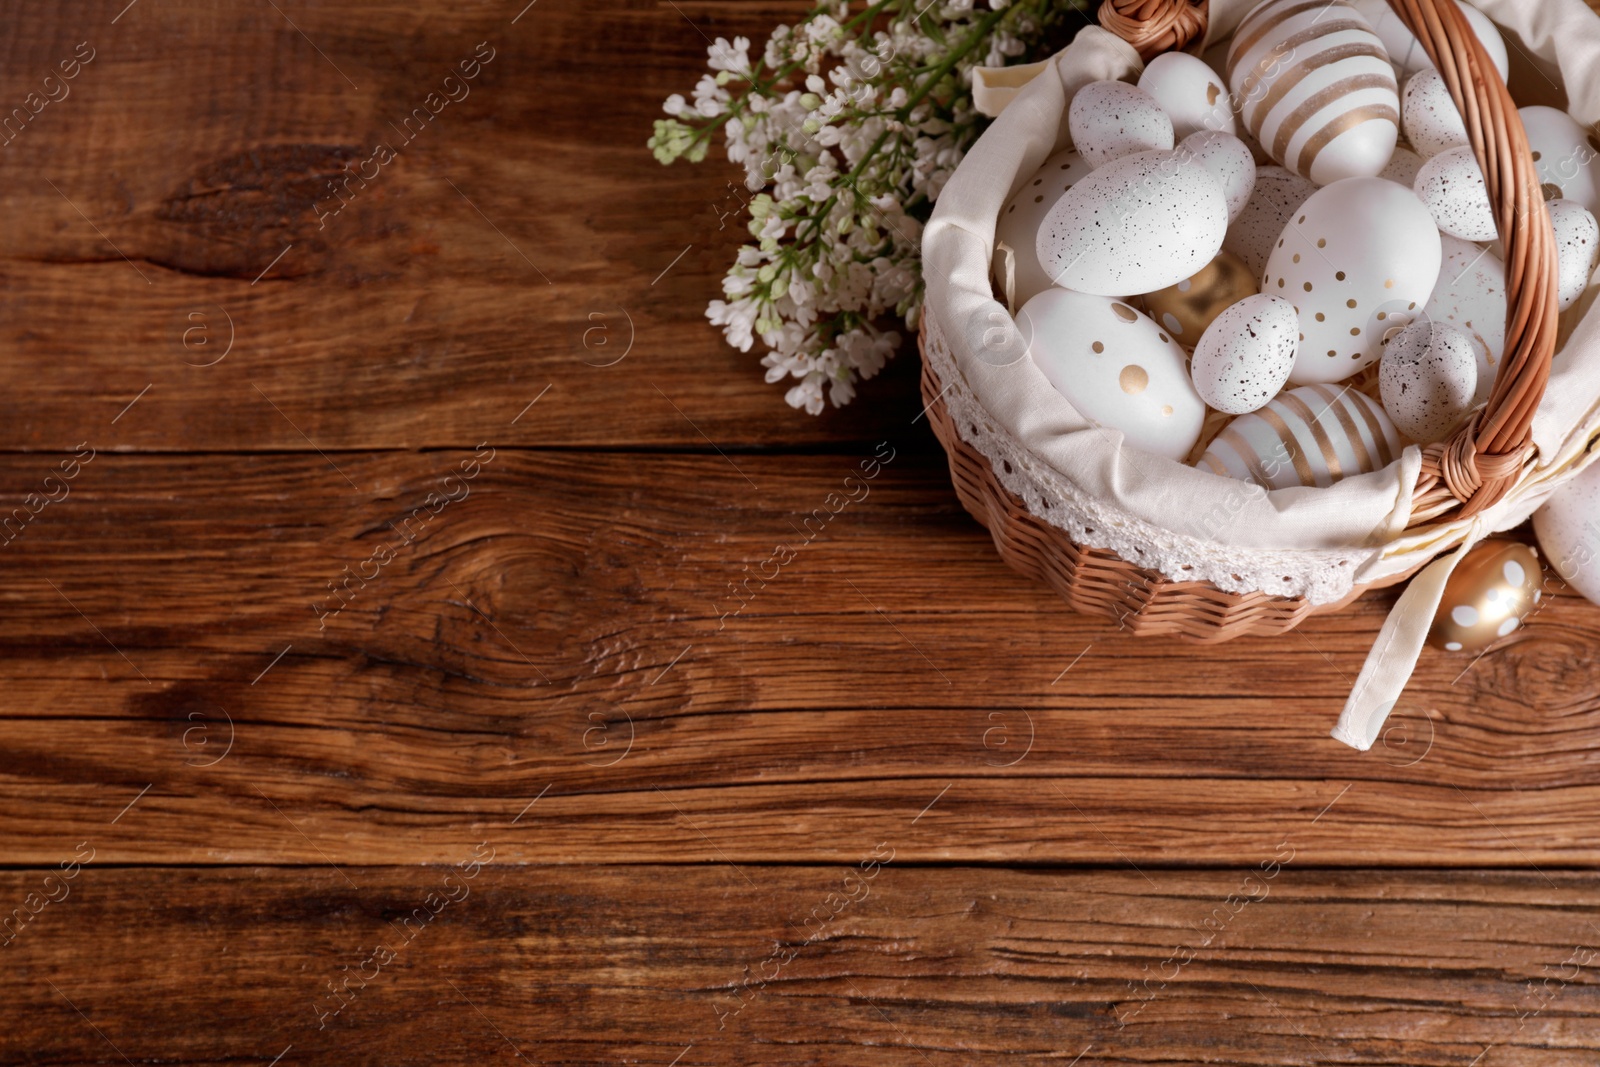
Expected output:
(1459, 477)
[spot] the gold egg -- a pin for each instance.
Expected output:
(1489, 594)
(1186, 309)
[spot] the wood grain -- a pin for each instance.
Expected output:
(567, 627)
(805, 965)
(524, 239)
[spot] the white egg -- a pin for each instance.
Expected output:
(1407, 52)
(1577, 244)
(1568, 528)
(1402, 167)
(1564, 152)
(1278, 194)
(1111, 119)
(1428, 377)
(1471, 296)
(1315, 87)
(1229, 161)
(1115, 366)
(1360, 257)
(1191, 94)
(1451, 184)
(1245, 355)
(1135, 225)
(1019, 222)
(1429, 116)
(1313, 435)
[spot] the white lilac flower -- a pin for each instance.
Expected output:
(847, 127)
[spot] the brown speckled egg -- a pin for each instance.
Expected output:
(1135, 225)
(1245, 355)
(1577, 242)
(1487, 597)
(1112, 119)
(1429, 115)
(1451, 184)
(1427, 378)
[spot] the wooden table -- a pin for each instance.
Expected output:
(375, 693)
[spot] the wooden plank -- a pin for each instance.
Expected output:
(163, 213)
(565, 630)
(862, 963)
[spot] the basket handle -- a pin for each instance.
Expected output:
(1156, 26)
(1477, 464)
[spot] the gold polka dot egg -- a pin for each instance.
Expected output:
(1117, 367)
(1487, 597)
(1187, 308)
(1359, 258)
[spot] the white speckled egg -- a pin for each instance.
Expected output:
(1111, 119)
(1245, 355)
(1229, 161)
(1407, 52)
(1191, 94)
(1314, 85)
(1019, 222)
(1116, 367)
(1451, 184)
(1471, 296)
(1577, 244)
(1568, 528)
(1429, 116)
(1313, 435)
(1278, 194)
(1403, 167)
(1135, 225)
(1565, 154)
(1427, 378)
(1360, 257)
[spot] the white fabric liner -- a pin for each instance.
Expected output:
(1191, 524)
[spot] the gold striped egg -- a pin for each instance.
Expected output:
(1312, 435)
(1314, 85)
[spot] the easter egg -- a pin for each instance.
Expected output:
(1019, 222)
(1116, 367)
(1402, 166)
(1564, 153)
(1316, 88)
(1429, 115)
(1311, 435)
(1407, 52)
(1577, 244)
(1451, 184)
(1228, 160)
(1358, 258)
(1191, 94)
(1135, 225)
(1568, 528)
(1471, 296)
(1187, 308)
(1491, 591)
(1112, 119)
(1277, 195)
(1427, 378)
(1245, 355)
